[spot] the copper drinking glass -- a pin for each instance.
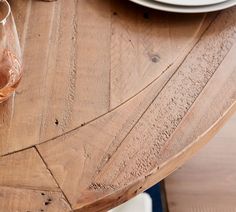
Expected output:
(10, 53)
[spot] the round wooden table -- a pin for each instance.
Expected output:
(114, 98)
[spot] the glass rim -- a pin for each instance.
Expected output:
(8, 7)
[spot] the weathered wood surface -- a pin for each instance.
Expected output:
(114, 98)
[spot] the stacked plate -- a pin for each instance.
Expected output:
(187, 6)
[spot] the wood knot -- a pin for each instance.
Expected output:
(155, 58)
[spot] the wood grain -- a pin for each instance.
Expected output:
(207, 182)
(26, 169)
(29, 99)
(71, 98)
(76, 75)
(15, 199)
(143, 150)
(142, 49)
(27, 185)
(115, 97)
(103, 137)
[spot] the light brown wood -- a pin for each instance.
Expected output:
(26, 170)
(207, 182)
(56, 107)
(115, 96)
(20, 199)
(27, 185)
(26, 124)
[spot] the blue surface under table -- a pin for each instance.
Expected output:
(157, 198)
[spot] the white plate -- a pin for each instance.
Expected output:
(191, 2)
(182, 9)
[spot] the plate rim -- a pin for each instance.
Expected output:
(179, 3)
(183, 9)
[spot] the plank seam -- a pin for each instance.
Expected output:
(53, 177)
(11, 153)
(31, 188)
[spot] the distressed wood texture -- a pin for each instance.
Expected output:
(114, 98)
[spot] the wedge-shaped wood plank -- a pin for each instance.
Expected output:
(26, 169)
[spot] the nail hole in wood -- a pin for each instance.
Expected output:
(42, 194)
(115, 13)
(46, 203)
(49, 199)
(56, 122)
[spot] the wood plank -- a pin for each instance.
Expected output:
(143, 44)
(78, 84)
(152, 149)
(25, 123)
(26, 169)
(15, 199)
(207, 182)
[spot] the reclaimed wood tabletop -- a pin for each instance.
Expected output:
(113, 99)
